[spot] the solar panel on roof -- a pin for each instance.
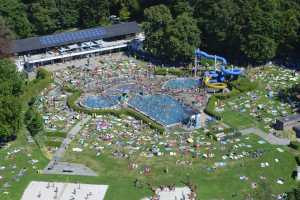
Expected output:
(72, 36)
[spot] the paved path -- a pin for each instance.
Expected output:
(71, 135)
(65, 168)
(268, 137)
(55, 166)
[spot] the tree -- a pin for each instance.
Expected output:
(179, 7)
(169, 39)
(34, 121)
(94, 13)
(11, 87)
(124, 14)
(43, 15)
(14, 14)
(10, 117)
(126, 9)
(157, 19)
(11, 81)
(183, 38)
(68, 13)
(6, 36)
(259, 48)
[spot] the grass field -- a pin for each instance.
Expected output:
(20, 162)
(210, 184)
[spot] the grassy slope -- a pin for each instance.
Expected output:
(211, 185)
(220, 184)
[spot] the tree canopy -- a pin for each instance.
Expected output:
(11, 87)
(243, 31)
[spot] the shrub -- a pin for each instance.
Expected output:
(42, 73)
(294, 145)
(34, 121)
(211, 108)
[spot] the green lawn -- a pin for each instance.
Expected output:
(237, 120)
(210, 184)
(221, 183)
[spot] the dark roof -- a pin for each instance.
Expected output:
(60, 39)
(291, 118)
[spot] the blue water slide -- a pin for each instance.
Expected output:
(234, 71)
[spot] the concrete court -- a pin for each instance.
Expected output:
(63, 191)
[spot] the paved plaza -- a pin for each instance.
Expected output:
(176, 194)
(63, 191)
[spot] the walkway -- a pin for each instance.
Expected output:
(55, 166)
(268, 137)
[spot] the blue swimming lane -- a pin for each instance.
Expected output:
(98, 102)
(162, 108)
(182, 84)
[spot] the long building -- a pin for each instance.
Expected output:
(38, 51)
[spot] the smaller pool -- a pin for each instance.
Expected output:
(181, 84)
(98, 102)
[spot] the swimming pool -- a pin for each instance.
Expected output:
(100, 102)
(162, 108)
(182, 84)
(124, 88)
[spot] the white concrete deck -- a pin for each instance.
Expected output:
(177, 194)
(65, 191)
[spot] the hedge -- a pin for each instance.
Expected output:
(211, 108)
(52, 143)
(170, 71)
(71, 102)
(56, 134)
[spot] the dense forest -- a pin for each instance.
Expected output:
(244, 31)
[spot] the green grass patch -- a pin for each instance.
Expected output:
(171, 71)
(52, 143)
(58, 134)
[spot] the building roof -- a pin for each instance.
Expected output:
(290, 118)
(65, 38)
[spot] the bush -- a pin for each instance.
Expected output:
(42, 74)
(294, 145)
(34, 121)
(35, 87)
(211, 108)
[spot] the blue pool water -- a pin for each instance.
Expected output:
(182, 83)
(97, 102)
(162, 108)
(126, 88)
